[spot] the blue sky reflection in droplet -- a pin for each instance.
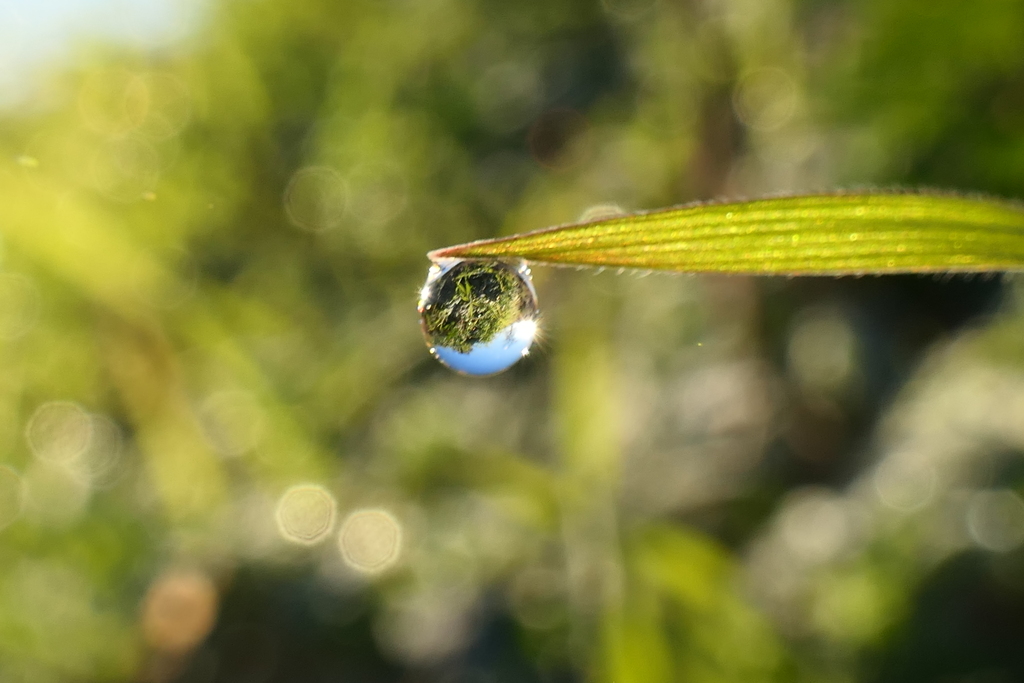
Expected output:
(499, 354)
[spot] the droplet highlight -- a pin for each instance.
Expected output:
(478, 317)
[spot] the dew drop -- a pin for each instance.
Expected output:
(478, 317)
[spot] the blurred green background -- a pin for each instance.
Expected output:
(225, 454)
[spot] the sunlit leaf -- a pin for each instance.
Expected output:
(833, 234)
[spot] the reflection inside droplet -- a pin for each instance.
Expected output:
(479, 317)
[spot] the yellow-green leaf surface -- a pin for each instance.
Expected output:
(830, 234)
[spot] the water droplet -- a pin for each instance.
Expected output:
(479, 317)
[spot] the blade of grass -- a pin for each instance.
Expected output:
(829, 234)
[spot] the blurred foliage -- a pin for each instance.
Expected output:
(226, 454)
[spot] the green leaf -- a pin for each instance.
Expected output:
(832, 234)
